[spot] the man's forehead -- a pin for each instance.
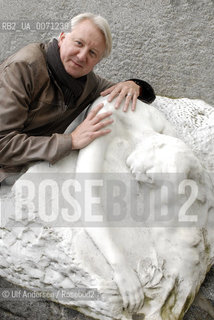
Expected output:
(81, 24)
(84, 25)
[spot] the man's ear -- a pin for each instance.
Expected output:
(61, 37)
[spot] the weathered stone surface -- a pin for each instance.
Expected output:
(166, 42)
(46, 310)
(34, 310)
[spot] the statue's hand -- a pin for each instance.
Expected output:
(130, 287)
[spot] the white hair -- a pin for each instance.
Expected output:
(99, 22)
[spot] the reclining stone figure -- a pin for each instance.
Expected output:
(151, 270)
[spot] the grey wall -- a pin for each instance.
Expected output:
(169, 43)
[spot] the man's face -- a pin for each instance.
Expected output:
(81, 49)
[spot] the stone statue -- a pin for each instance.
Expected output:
(146, 264)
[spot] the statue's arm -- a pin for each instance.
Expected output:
(125, 277)
(91, 160)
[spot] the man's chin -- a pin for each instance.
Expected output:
(74, 73)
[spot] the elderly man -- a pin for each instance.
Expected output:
(45, 86)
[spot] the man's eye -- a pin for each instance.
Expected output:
(93, 54)
(79, 43)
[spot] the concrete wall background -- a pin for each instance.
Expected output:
(169, 43)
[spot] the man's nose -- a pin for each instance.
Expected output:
(82, 55)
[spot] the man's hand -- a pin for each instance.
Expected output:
(127, 89)
(91, 128)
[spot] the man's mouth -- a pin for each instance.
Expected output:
(77, 64)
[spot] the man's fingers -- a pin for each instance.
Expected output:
(107, 91)
(103, 124)
(118, 101)
(134, 102)
(101, 117)
(123, 95)
(118, 91)
(129, 97)
(99, 133)
(126, 93)
(94, 111)
(120, 94)
(94, 117)
(127, 90)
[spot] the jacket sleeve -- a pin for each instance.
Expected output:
(147, 93)
(17, 148)
(101, 85)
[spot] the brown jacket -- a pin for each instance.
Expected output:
(33, 115)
